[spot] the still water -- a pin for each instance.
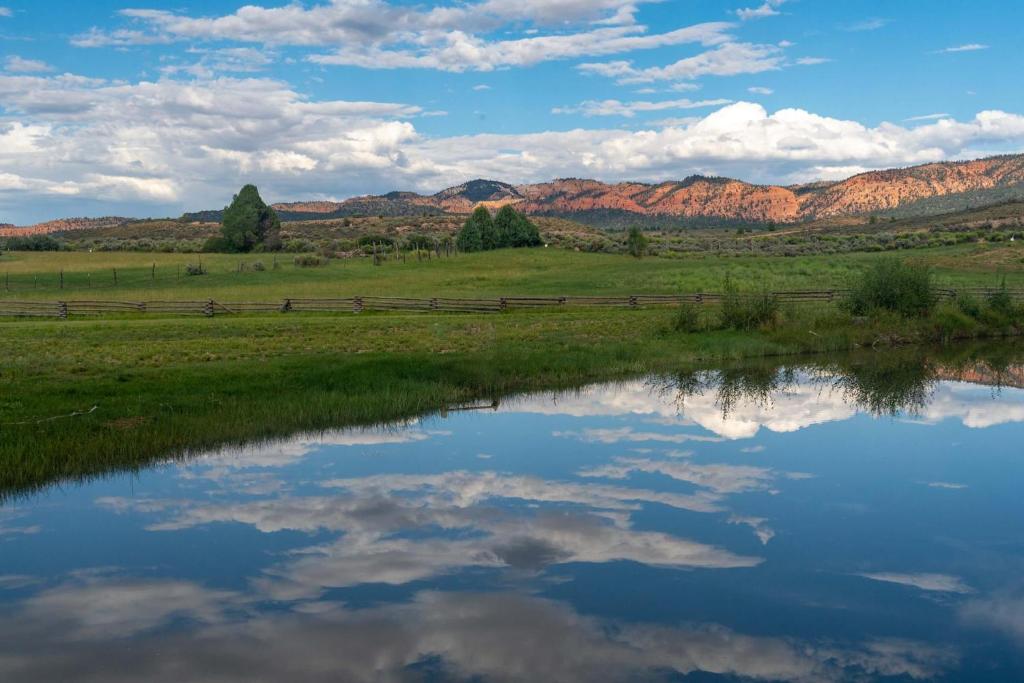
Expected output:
(791, 525)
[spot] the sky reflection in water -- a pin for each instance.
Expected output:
(620, 532)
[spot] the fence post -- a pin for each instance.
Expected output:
(62, 278)
(699, 298)
(142, 307)
(357, 304)
(208, 309)
(115, 277)
(286, 306)
(433, 302)
(62, 310)
(7, 281)
(632, 302)
(503, 303)
(154, 272)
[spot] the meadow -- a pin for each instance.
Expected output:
(68, 275)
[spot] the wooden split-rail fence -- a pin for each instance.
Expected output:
(362, 304)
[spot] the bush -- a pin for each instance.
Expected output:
(217, 245)
(32, 243)
(370, 240)
(418, 242)
(258, 266)
(1001, 302)
(747, 311)
(688, 318)
(895, 286)
(298, 246)
(311, 261)
(636, 243)
(195, 269)
(968, 305)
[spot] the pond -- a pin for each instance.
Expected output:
(789, 524)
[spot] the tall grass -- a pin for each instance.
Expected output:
(741, 311)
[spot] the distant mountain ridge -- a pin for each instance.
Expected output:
(694, 201)
(701, 197)
(61, 225)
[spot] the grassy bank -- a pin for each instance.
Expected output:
(85, 397)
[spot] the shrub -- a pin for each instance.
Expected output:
(747, 311)
(32, 243)
(418, 242)
(217, 245)
(195, 269)
(968, 305)
(1001, 302)
(688, 318)
(636, 242)
(380, 240)
(311, 261)
(298, 246)
(892, 285)
(258, 266)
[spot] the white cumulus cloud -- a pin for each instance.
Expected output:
(177, 144)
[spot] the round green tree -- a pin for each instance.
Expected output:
(513, 229)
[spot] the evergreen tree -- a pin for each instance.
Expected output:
(506, 226)
(529, 235)
(515, 230)
(471, 237)
(488, 232)
(478, 232)
(249, 222)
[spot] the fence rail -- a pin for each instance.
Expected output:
(361, 304)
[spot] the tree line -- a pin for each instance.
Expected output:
(508, 228)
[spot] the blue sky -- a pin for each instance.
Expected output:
(153, 107)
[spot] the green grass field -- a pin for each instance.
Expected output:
(36, 275)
